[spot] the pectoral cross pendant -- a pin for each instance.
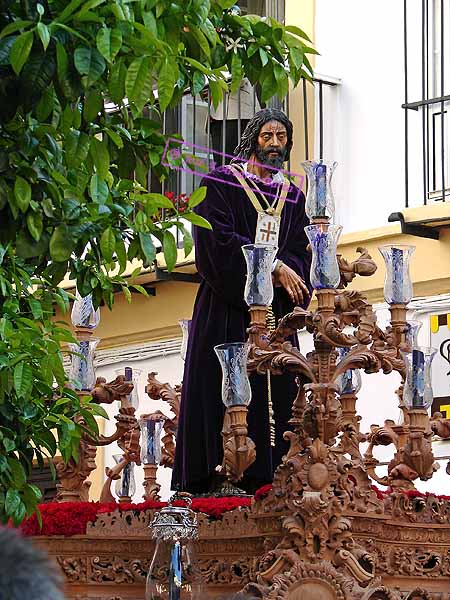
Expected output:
(267, 229)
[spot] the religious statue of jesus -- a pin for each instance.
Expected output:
(247, 201)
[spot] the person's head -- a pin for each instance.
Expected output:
(267, 139)
(26, 572)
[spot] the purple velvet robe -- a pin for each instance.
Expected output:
(221, 315)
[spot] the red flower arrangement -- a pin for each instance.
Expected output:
(263, 492)
(71, 518)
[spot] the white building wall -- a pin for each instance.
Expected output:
(361, 43)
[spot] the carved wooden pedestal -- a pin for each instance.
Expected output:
(409, 542)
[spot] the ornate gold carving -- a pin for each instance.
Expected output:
(364, 265)
(238, 449)
(164, 391)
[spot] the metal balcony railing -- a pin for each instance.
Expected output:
(427, 54)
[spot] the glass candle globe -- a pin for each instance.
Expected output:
(417, 391)
(323, 239)
(185, 325)
(350, 381)
(83, 312)
(131, 374)
(236, 390)
(320, 199)
(398, 287)
(125, 487)
(151, 428)
(258, 286)
(82, 373)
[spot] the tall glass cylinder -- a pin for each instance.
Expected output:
(412, 331)
(83, 312)
(398, 287)
(185, 325)
(236, 390)
(350, 381)
(82, 374)
(151, 427)
(320, 199)
(324, 265)
(417, 391)
(131, 374)
(258, 286)
(126, 485)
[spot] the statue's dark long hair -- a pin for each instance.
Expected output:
(249, 140)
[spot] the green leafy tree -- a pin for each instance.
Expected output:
(73, 177)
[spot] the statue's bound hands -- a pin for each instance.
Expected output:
(286, 277)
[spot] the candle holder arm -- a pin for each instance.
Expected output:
(364, 265)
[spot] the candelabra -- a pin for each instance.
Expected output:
(238, 449)
(73, 484)
(324, 473)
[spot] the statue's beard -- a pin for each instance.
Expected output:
(264, 158)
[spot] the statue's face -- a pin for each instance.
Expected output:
(272, 140)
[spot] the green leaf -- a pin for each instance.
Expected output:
(167, 79)
(263, 56)
(12, 501)
(109, 42)
(61, 243)
(188, 242)
(18, 472)
(89, 62)
(77, 146)
(138, 82)
(108, 244)
(62, 61)
(201, 40)
(148, 247)
(197, 196)
(121, 253)
(170, 250)
(99, 411)
(297, 31)
(23, 379)
(22, 193)
(115, 137)
(44, 34)
(198, 83)
(36, 308)
(14, 26)
(236, 72)
(296, 55)
(100, 156)
(282, 80)
(98, 189)
(269, 86)
(44, 437)
(198, 65)
(69, 10)
(216, 93)
(20, 51)
(93, 104)
(35, 225)
(117, 81)
(140, 289)
(46, 104)
(126, 293)
(197, 220)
